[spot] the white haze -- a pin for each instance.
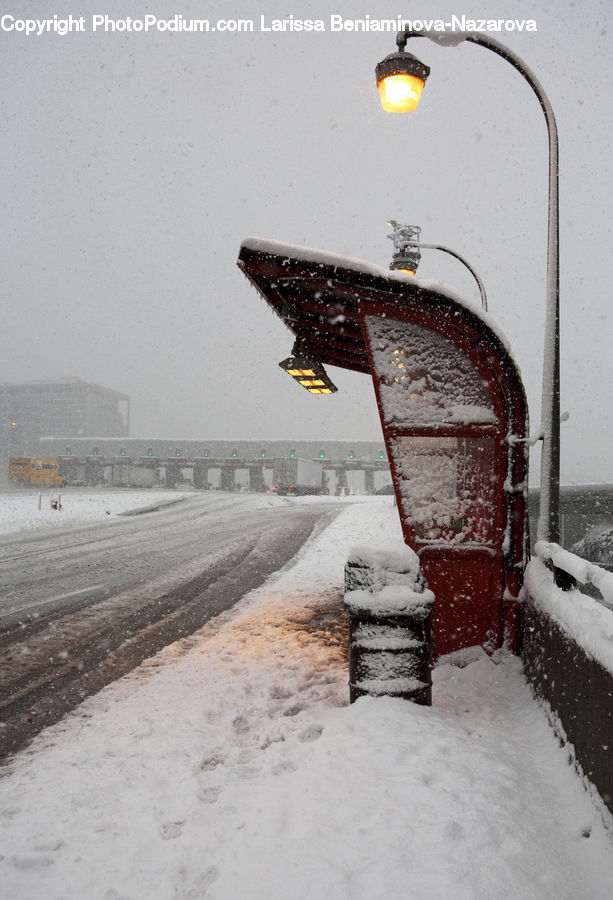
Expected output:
(135, 164)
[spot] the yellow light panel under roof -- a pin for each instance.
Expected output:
(297, 373)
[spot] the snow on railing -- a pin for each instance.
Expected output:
(579, 569)
(551, 580)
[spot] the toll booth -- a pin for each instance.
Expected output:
(454, 419)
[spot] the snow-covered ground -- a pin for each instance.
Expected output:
(28, 509)
(230, 766)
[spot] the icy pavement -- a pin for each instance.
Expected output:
(230, 766)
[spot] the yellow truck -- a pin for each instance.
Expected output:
(35, 472)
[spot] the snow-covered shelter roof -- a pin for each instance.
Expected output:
(317, 294)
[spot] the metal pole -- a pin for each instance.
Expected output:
(462, 260)
(549, 510)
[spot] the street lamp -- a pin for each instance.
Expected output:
(400, 79)
(549, 512)
(407, 256)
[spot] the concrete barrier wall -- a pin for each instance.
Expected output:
(568, 657)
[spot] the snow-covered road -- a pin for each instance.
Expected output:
(169, 540)
(230, 766)
(80, 606)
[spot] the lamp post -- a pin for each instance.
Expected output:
(10, 427)
(408, 76)
(407, 256)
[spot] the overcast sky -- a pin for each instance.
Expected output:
(135, 164)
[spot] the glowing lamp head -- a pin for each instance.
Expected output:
(400, 79)
(401, 268)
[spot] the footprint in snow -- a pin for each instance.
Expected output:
(171, 830)
(208, 794)
(267, 740)
(211, 762)
(293, 710)
(312, 733)
(39, 857)
(241, 724)
(192, 887)
(279, 693)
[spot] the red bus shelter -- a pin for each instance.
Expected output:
(454, 419)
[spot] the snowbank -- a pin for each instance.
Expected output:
(26, 510)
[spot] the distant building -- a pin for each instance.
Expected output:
(61, 408)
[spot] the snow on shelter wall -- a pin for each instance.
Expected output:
(425, 377)
(426, 381)
(454, 418)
